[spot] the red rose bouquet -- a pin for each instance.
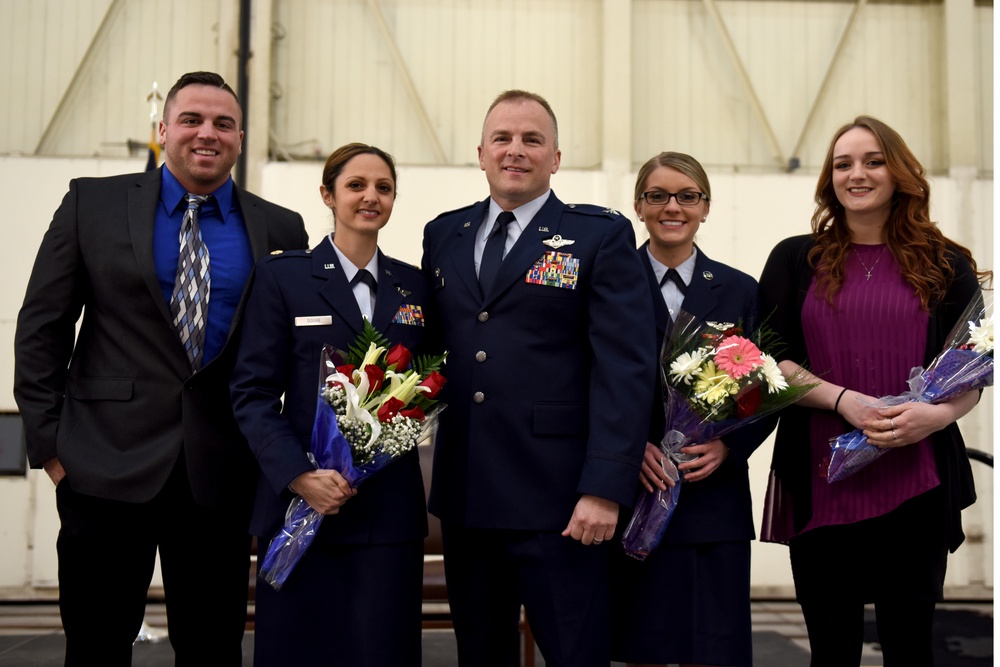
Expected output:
(374, 404)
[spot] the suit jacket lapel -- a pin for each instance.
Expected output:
(660, 312)
(464, 259)
(388, 297)
(255, 222)
(336, 290)
(700, 299)
(529, 247)
(142, 202)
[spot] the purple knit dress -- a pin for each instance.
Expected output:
(868, 340)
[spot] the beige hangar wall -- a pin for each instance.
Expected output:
(750, 87)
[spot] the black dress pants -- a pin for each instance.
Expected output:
(107, 551)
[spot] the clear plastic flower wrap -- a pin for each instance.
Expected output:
(369, 411)
(964, 364)
(714, 382)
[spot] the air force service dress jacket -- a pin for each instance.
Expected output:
(548, 373)
(301, 301)
(717, 508)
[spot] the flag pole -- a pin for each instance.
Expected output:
(154, 145)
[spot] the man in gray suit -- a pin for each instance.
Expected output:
(131, 418)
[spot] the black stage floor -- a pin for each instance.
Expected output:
(963, 638)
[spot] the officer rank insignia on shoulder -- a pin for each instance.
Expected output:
(591, 209)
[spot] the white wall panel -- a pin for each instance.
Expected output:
(338, 81)
(80, 69)
(689, 93)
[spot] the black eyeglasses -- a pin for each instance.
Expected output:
(662, 198)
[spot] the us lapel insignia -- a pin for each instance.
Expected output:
(404, 292)
(329, 266)
(557, 242)
(467, 225)
(543, 230)
(707, 275)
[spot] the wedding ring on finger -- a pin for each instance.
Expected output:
(891, 425)
(893, 434)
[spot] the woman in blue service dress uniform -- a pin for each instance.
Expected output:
(355, 597)
(689, 601)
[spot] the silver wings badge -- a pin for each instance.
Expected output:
(557, 242)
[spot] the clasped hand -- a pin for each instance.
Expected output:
(710, 455)
(905, 424)
(325, 490)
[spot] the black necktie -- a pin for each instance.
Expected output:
(493, 252)
(192, 286)
(364, 276)
(675, 278)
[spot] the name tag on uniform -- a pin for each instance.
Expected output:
(313, 321)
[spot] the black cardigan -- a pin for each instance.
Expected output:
(783, 287)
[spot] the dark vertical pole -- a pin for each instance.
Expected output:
(243, 88)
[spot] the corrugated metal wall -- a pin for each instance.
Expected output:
(77, 72)
(415, 76)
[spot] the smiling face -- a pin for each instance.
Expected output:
(861, 180)
(362, 198)
(518, 152)
(671, 227)
(201, 137)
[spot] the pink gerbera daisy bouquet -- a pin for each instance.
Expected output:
(715, 380)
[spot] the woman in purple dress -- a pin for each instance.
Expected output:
(870, 294)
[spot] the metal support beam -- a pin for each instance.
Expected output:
(114, 9)
(845, 33)
(616, 115)
(713, 11)
(411, 88)
(961, 84)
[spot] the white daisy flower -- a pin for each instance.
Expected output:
(981, 335)
(775, 380)
(683, 368)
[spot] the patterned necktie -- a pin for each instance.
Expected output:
(189, 302)
(493, 252)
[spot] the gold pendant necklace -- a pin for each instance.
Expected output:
(868, 271)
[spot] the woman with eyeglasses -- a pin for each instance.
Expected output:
(688, 602)
(871, 293)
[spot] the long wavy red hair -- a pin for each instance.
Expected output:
(916, 243)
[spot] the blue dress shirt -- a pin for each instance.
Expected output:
(225, 234)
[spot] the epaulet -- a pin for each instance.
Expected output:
(279, 254)
(591, 209)
(400, 262)
(457, 210)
